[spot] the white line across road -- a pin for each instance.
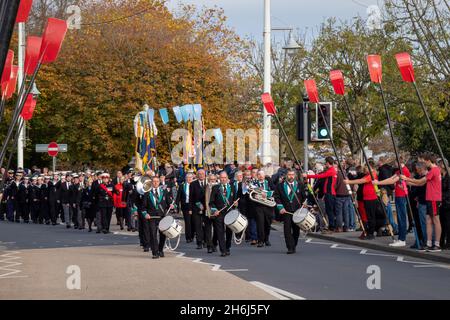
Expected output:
(276, 292)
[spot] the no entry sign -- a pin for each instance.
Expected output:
(53, 149)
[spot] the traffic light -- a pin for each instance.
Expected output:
(324, 121)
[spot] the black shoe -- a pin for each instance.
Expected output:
(105, 231)
(68, 227)
(290, 252)
(161, 254)
(434, 249)
(260, 245)
(98, 231)
(210, 250)
(155, 257)
(228, 253)
(223, 254)
(214, 249)
(199, 247)
(17, 221)
(368, 237)
(54, 223)
(128, 229)
(268, 244)
(146, 249)
(90, 230)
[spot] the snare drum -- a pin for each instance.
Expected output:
(236, 221)
(304, 219)
(170, 227)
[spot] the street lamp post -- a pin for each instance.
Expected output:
(20, 72)
(266, 137)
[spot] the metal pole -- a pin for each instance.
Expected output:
(305, 137)
(54, 165)
(20, 72)
(266, 143)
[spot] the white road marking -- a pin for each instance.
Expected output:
(214, 266)
(8, 259)
(276, 292)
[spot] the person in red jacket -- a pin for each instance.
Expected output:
(120, 203)
(329, 190)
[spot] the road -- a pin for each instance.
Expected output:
(34, 260)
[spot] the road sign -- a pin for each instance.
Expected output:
(44, 148)
(52, 149)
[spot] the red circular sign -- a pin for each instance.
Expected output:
(53, 149)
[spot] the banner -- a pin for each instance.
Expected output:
(177, 113)
(164, 115)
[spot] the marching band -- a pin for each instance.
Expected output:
(142, 201)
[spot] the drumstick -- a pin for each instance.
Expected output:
(228, 207)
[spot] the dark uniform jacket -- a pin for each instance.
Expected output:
(220, 199)
(104, 198)
(291, 202)
(75, 193)
(64, 193)
(197, 197)
(181, 197)
(156, 205)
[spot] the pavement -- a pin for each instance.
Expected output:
(382, 243)
(35, 259)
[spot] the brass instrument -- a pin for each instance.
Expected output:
(259, 195)
(143, 184)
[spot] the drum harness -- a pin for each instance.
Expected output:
(168, 244)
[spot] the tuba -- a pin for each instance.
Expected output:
(260, 196)
(143, 184)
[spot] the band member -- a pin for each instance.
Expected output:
(156, 203)
(211, 241)
(53, 198)
(198, 205)
(183, 202)
(247, 208)
(289, 197)
(44, 215)
(23, 199)
(12, 204)
(264, 214)
(222, 198)
(87, 205)
(65, 200)
(34, 199)
(130, 191)
(75, 200)
(105, 202)
(120, 202)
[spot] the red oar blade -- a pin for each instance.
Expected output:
(52, 39)
(28, 108)
(375, 68)
(268, 103)
(311, 89)
(405, 66)
(32, 54)
(337, 80)
(11, 85)
(6, 75)
(24, 10)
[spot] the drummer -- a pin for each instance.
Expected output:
(289, 197)
(156, 203)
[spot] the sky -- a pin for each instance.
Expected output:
(247, 16)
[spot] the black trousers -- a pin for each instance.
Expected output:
(444, 216)
(217, 225)
(187, 225)
(291, 232)
(141, 223)
(151, 236)
(106, 214)
(264, 216)
(24, 211)
(44, 214)
(34, 210)
(53, 211)
(197, 224)
(371, 207)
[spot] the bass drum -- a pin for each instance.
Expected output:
(236, 221)
(170, 227)
(305, 219)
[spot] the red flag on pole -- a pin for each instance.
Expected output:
(311, 89)
(11, 85)
(268, 103)
(375, 70)
(52, 38)
(28, 107)
(32, 54)
(337, 80)
(6, 75)
(405, 66)
(24, 10)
